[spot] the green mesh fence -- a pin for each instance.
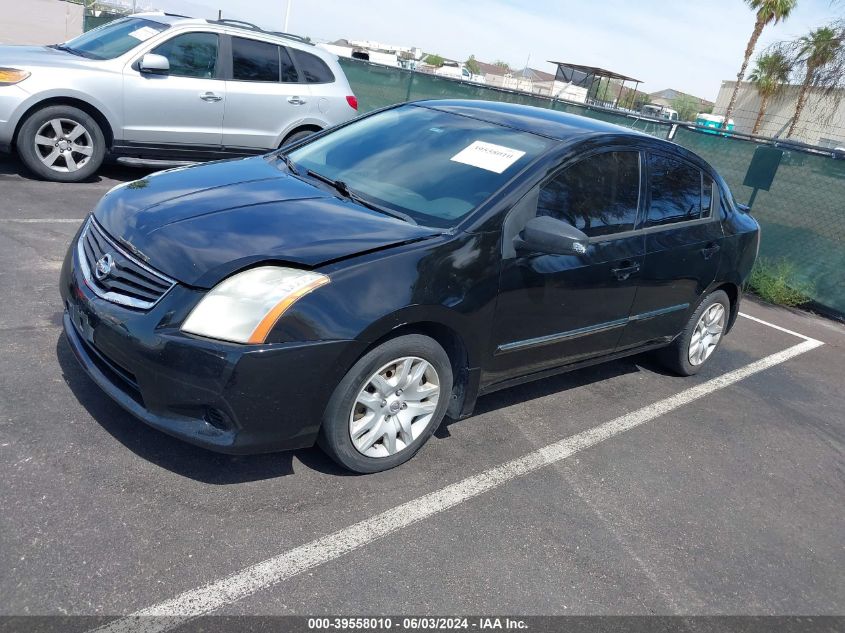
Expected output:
(802, 216)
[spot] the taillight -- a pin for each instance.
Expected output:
(352, 100)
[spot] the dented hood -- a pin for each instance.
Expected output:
(200, 224)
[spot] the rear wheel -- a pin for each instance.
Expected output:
(61, 143)
(704, 331)
(297, 136)
(387, 405)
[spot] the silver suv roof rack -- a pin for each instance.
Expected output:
(241, 24)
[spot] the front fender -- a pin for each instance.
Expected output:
(44, 97)
(448, 281)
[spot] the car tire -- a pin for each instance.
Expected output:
(704, 332)
(72, 156)
(407, 426)
(296, 137)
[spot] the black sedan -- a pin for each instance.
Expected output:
(358, 287)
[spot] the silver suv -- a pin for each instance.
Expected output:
(164, 87)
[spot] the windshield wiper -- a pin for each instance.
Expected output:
(67, 49)
(343, 189)
(288, 161)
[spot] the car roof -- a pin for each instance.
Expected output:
(542, 121)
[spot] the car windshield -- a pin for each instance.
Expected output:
(113, 39)
(433, 166)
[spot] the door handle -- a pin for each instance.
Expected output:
(296, 101)
(711, 249)
(626, 270)
(210, 97)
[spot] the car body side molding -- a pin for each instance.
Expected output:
(550, 339)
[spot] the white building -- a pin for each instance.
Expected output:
(39, 21)
(822, 121)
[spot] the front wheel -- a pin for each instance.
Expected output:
(388, 404)
(61, 143)
(704, 331)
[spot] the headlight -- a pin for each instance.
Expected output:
(9, 76)
(245, 307)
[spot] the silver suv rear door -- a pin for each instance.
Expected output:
(264, 96)
(183, 106)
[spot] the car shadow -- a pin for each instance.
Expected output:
(215, 468)
(555, 385)
(11, 165)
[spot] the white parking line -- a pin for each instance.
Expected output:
(203, 600)
(44, 220)
(776, 327)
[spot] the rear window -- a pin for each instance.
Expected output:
(254, 61)
(314, 69)
(675, 190)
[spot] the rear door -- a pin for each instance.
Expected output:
(264, 94)
(183, 107)
(558, 309)
(683, 237)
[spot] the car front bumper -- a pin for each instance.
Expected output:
(11, 101)
(225, 397)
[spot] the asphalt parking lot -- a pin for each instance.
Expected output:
(717, 494)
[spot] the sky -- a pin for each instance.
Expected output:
(681, 44)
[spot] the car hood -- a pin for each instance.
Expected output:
(26, 57)
(201, 224)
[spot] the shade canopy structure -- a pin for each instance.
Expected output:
(587, 76)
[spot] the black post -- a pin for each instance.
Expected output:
(410, 85)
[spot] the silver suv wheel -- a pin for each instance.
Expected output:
(394, 407)
(63, 145)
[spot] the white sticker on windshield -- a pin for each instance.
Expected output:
(144, 33)
(489, 156)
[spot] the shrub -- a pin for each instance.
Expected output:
(774, 281)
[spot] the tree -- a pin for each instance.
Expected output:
(503, 65)
(769, 76)
(768, 12)
(686, 107)
(434, 59)
(820, 48)
(472, 65)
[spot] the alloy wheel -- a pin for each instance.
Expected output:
(707, 333)
(394, 407)
(64, 145)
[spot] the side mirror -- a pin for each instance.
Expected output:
(152, 63)
(546, 234)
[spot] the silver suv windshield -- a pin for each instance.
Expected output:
(113, 39)
(431, 165)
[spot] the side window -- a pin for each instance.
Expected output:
(676, 190)
(598, 195)
(706, 195)
(313, 68)
(191, 55)
(254, 61)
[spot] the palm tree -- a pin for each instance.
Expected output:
(768, 12)
(816, 50)
(770, 74)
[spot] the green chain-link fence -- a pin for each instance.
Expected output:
(802, 216)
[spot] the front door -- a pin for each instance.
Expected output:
(554, 310)
(183, 107)
(263, 96)
(683, 240)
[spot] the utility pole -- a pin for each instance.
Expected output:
(287, 15)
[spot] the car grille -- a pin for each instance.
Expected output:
(115, 275)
